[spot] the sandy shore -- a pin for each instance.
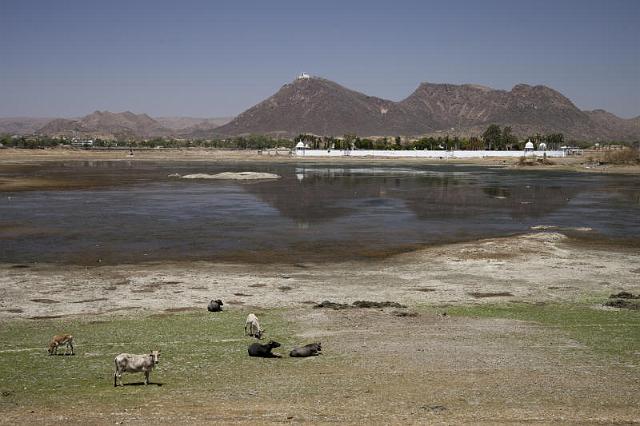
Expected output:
(536, 267)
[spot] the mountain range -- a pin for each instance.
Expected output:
(109, 125)
(322, 107)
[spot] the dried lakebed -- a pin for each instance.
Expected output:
(537, 267)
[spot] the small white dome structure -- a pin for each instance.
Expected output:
(528, 146)
(300, 148)
(542, 147)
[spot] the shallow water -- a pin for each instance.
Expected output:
(114, 212)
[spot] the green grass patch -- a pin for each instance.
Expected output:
(610, 332)
(200, 352)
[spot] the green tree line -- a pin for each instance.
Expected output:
(493, 138)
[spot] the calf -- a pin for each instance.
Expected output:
(252, 327)
(128, 363)
(312, 349)
(61, 339)
(215, 306)
(264, 351)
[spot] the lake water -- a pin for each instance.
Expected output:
(116, 212)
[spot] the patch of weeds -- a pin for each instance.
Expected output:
(623, 300)
(332, 305)
(369, 304)
(624, 295)
(623, 304)
(626, 155)
(480, 295)
(404, 314)
(45, 301)
(41, 317)
(358, 304)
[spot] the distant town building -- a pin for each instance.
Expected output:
(304, 76)
(82, 143)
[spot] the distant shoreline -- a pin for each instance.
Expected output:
(26, 156)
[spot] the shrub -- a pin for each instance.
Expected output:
(622, 156)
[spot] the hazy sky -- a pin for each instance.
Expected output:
(209, 58)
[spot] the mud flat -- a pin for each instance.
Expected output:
(537, 267)
(231, 176)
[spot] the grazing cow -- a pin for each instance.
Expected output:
(128, 363)
(215, 306)
(264, 351)
(61, 339)
(252, 327)
(312, 349)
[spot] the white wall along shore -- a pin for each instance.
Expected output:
(304, 152)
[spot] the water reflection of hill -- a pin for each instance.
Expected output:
(313, 199)
(322, 195)
(462, 201)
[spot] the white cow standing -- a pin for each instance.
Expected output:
(128, 363)
(252, 327)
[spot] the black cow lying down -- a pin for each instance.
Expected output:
(312, 349)
(264, 351)
(215, 306)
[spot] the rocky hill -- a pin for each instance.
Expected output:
(607, 123)
(527, 109)
(107, 125)
(318, 106)
(110, 125)
(323, 107)
(191, 123)
(202, 129)
(21, 125)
